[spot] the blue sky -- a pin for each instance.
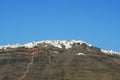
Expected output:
(93, 21)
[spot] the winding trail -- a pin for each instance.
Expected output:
(28, 66)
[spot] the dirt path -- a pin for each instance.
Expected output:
(28, 67)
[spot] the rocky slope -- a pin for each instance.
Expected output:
(58, 60)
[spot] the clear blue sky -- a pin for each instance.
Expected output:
(93, 21)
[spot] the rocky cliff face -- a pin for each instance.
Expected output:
(58, 60)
